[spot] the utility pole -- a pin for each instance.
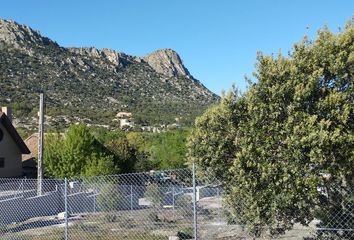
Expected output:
(40, 145)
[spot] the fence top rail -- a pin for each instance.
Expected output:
(4, 180)
(151, 173)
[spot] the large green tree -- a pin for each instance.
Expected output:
(167, 150)
(290, 133)
(126, 154)
(77, 153)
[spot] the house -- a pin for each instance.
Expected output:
(11, 146)
(124, 115)
(29, 165)
(126, 123)
(125, 120)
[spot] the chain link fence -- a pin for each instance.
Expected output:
(157, 205)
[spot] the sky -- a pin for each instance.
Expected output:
(218, 40)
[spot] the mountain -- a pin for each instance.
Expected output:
(168, 63)
(92, 85)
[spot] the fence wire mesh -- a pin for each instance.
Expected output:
(153, 205)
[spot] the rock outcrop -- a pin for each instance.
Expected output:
(21, 35)
(167, 62)
(116, 58)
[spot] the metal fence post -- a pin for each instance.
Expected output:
(195, 225)
(218, 196)
(66, 208)
(173, 198)
(94, 200)
(131, 197)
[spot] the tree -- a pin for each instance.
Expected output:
(136, 139)
(211, 143)
(100, 164)
(168, 150)
(273, 145)
(53, 155)
(125, 154)
(77, 153)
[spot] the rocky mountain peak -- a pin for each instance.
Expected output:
(163, 61)
(87, 80)
(20, 35)
(118, 59)
(167, 62)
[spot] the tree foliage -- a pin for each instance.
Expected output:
(126, 154)
(167, 150)
(273, 145)
(84, 151)
(77, 153)
(144, 150)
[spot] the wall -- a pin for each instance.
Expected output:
(26, 208)
(12, 154)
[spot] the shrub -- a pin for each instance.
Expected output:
(110, 198)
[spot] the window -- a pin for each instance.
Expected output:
(2, 162)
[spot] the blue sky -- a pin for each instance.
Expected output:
(217, 39)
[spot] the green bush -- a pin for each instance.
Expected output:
(154, 194)
(186, 233)
(110, 198)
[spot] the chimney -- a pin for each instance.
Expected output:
(8, 112)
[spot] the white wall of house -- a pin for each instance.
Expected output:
(126, 122)
(12, 155)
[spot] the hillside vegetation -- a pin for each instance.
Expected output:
(93, 85)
